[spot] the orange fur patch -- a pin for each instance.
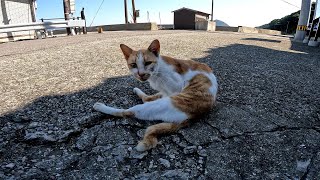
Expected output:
(182, 66)
(195, 99)
(127, 114)
(151, 98)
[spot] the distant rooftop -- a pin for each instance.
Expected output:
(188, 9)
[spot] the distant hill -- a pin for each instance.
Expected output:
(220, 23)
(281, 24)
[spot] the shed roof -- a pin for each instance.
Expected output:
(188, 9)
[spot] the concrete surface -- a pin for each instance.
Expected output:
(266, 125)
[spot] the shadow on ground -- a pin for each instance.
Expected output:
(266, 125)
(262, 39)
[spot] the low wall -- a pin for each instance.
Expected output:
(244, 29)
(269, 31)
(166, 26)
(15, 36)
(126, 27)
(227, 28)
(205, 25)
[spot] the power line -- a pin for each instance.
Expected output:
(290, 4)
(97, 11)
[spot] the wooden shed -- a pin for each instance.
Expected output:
(185, 18)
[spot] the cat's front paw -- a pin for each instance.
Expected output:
(138, 92)
(99, 106)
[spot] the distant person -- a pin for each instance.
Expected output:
(82, 14)
(84, 29)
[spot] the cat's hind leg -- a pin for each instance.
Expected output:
(160, 109)
(144, 97)
(150, 137)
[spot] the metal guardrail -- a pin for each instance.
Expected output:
(41, 25)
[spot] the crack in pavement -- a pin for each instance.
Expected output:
(277, 129)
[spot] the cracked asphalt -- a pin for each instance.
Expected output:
(266, 124)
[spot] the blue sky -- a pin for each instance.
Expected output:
(233, 12)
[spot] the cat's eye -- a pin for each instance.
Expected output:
(133, 65)
(147, 63)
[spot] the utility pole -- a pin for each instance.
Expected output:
(134, 12)
(125, 11)
(212, 10)
(303, 20)
(33, 10)
(66, 5)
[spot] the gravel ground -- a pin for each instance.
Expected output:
(266, 125)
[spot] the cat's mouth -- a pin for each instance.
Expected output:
(143, 78)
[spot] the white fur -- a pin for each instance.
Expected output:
(165, 79)
(138, 92)
(160, 109)
(168, 82)
(141, 147)
(140, 63)
(106, 109)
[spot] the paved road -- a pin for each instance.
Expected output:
(266, 125)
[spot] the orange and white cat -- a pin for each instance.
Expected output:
(187, 89)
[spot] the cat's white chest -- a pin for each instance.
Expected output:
(168, 84)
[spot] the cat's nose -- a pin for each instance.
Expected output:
(144, 76)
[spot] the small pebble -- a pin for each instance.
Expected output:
(10, 165)
(189, 149)
(164, 162)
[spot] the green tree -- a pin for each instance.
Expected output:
(286, 25)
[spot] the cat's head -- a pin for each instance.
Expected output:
(142, 63)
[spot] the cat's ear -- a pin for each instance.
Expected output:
(155, 47)
(126, 51)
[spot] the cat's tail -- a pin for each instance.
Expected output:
(152, 132)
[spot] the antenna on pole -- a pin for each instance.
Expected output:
(211, 10)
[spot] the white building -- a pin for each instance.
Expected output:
(15, 12)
